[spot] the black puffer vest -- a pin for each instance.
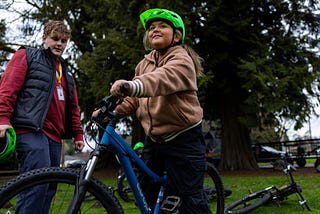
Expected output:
(34, 98)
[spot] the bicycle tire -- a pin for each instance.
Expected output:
(98, 199)
(301, 161)
(213, 179)
(249, 203)
(123, 189)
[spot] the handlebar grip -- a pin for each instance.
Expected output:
(125, 88)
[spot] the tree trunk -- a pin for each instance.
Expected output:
(236, 145)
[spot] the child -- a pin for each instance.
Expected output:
(163, 94)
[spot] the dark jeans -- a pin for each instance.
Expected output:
(35, 150)
(184, 160)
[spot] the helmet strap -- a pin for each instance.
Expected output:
(161, 50)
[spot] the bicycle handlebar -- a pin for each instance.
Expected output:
(106, 107)
(109, 103)
(125, 87)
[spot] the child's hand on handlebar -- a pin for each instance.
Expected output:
(95, 113)
(107, 106)
(118, 90)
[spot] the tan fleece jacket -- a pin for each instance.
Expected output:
(164, 97)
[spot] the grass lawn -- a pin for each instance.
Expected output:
(241, 184)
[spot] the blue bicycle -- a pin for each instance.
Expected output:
(79, 192)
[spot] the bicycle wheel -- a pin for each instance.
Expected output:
(123, 187)
(98, 198)
(249, 203)
(213, 181)
(124, 190)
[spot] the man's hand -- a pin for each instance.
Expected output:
(3, 129)
(78, 145)
(95, 113)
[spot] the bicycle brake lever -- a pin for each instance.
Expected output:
(98, 118)
(107, 105)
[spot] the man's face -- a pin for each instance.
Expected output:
(56, 42)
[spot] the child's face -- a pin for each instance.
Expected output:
(160, 35)
(57, 43)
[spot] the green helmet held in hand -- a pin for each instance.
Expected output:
(7, 145)
(162, 14)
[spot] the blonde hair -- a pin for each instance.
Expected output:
(197, 60)
(56, 27)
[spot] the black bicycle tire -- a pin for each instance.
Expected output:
(122, 189)
(264, 196)
(218, 185)
(301, 161)
(61, 176)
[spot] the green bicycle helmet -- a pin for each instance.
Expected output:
(157, 13)
(7, 145)
(138, 145)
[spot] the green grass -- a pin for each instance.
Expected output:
(311, 160)
(240, 186)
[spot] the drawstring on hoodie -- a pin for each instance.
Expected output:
(156, 59)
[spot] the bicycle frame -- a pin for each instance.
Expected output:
(270, 194)
(283, 192)
(292, 187)
(125, 154)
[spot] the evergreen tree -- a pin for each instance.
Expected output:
(259, 58)
(260, 67)
(4, 48)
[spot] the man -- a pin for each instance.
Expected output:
(38, 99)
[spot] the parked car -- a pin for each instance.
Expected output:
(264, 153)
(315, 151)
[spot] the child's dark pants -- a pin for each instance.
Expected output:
(184, 160)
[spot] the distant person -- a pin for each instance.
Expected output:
(300, 151)
(38, 98)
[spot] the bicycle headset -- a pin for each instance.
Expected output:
(7, 145)
(138, 145)
(162, 14)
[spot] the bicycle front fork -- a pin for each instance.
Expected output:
(291, 189)
(82, 182)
